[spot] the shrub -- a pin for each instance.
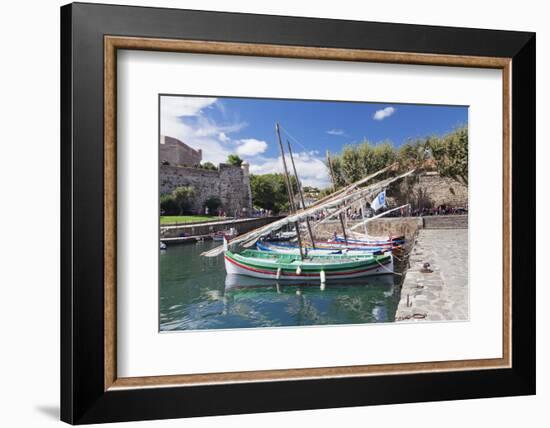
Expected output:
(213, 203)
(209, 166)
(183, 197)
(167, 205)
(234, 160)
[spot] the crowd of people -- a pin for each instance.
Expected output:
(440, 210)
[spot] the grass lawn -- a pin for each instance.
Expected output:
(166, 219)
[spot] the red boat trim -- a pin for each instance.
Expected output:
(329, 274)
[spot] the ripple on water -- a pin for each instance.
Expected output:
(193, 296)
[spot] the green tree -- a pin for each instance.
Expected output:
(213, 203)
(167, 205)
(384, 155)
(337, 168)
(209, 165)
(269, 191)
(234, 160)
(183, 196)
(352, 168)
(451, 154)
(408, 154)
(358, 161)
(447, 154)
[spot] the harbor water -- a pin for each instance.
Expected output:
(196, 294)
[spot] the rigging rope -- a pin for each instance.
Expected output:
(288, 134)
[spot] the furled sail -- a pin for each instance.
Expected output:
(348, 194)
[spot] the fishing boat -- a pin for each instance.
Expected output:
(271, 265)
(330, 206)
(372, 240)
(338, 248)
(283, 236)
(227, 234)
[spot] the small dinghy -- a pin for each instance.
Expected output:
(227, 234)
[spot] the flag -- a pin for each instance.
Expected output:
(379, 201)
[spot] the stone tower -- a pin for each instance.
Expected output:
(175, 152)
(245, 166)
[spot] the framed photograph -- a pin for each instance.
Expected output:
(267, 213)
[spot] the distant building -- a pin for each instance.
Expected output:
(174, 152)
(309, 200)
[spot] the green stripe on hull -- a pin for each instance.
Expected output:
(332, 263)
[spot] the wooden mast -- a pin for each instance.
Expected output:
(289, 189)
(363, 209)
(333, 178)
(299, 184)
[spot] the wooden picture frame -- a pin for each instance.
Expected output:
(91, 390)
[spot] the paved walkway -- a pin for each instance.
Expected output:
(443, 293)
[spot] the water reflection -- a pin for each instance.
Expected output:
(195, 293)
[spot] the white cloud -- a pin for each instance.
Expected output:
(251, 147)
(213, 150)
(205, 127)
(184, 106)
(384, 113)
(183, 118)
(339, 132)
(311, 169)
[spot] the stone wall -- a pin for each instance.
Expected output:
(174, 152)
(229, 183)
(429, 190)
(407, 226)
(446, 222)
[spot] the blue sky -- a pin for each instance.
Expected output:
(246, 126)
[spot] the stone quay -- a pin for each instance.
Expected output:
(435, 286)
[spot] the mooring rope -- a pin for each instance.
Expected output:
(391, 271)
(402, 258)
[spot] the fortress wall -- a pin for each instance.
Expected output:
(234, 189)
(228, 184)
